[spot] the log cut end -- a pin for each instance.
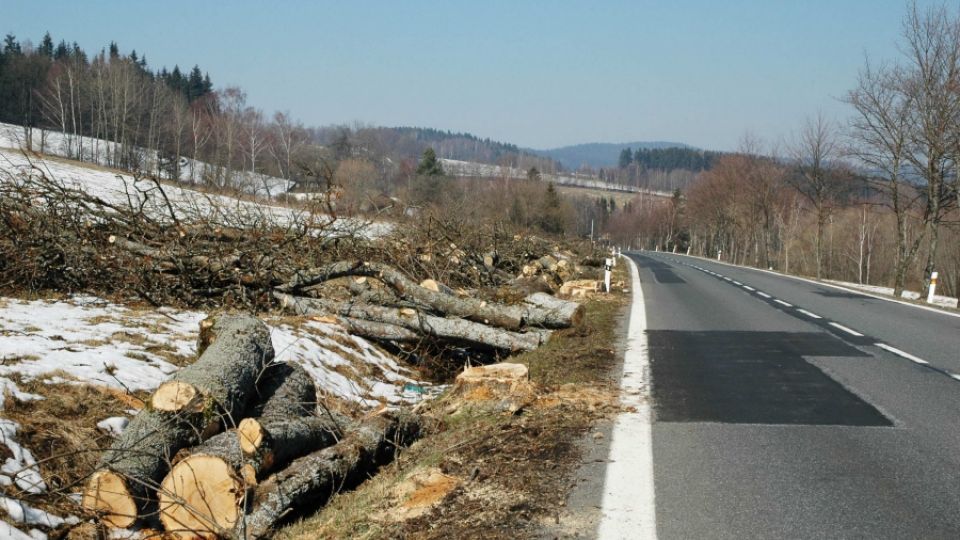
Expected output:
(201, 497)
(251, 435)
(106, 494)
(176, 396)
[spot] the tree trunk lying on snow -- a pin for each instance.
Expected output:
(452, 329)
(204, 490)
(310, 480)
(181, 413)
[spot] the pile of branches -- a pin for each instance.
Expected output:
(209, 252)
(234, 444)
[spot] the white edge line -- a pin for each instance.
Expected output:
(850, 331)
(628, 506)
(898, 352)
(782, 303)
(808, 314)
(832, 286)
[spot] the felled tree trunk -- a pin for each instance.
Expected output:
(473, 309)
(285, 390)
(452, 329)
(311, 480)
(204, 491)
(553, 312)
(181, 413)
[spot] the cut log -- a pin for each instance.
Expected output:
(310, 480)
(285, 390)
(507, 317)
(202, 495)
(223, 377)
(379, 331)
(201, 498)
(266, 442)
(553, 312)
(452, 329)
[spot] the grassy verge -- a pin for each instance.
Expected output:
(491, 475)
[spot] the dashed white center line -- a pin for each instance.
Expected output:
(955, 376)
(728, 279)
(906, 355)
(850, 331)
(763, 294)
(782, 303)
(738, 284)
(749, 288)
(808, 314)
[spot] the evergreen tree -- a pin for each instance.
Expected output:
(551, 216)
(114, 50)
(533, 174)
(429, 164)
(10, 46)
(626, 158)
(46, 46)
(195, 86)
(62, 51)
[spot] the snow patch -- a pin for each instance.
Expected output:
(938, 300)
(21, 468)
(114, 425)
(21, 512)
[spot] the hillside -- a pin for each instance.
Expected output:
(597, 155)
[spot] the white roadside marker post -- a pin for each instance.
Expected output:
(606, 274)
(719, 253)
(933, 287)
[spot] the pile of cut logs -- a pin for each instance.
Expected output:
(385, 305)
(234, 443)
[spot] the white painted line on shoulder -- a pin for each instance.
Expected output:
(906, 355)
(763, 294)
(850, 331)
(782, 303)
(808, 314)
(628, 506)
(749, 288)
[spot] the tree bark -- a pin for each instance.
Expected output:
(552, 312)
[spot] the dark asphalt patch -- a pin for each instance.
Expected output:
(662, 272)
(752, 378)
(663, 275)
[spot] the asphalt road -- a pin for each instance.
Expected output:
(779, 410)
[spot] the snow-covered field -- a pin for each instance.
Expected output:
(942, 301)
(121, 189)
(87, 340)
(97, 151)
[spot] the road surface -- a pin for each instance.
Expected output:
(782, 408)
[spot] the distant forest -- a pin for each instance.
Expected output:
(667, 159)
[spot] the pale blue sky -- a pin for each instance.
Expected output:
(535, 73)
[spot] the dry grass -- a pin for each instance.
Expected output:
(61, 432)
